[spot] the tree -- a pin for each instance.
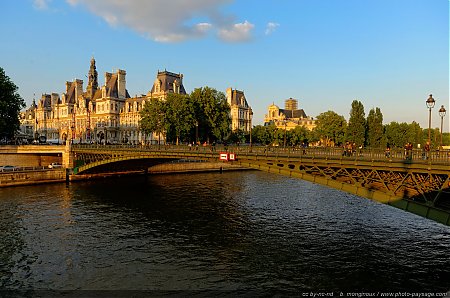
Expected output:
(153, 117)
(446, 139)
(212, 113)
(415, 133)
(263, 134)
(279, 136)
(396, 134)
(238, 136)
(299, 135)
(375, 132)
(356, 129)
(10, 105)
(330, 128)
(435, 137)
(179, 114)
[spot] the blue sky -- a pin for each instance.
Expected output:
(389, 54)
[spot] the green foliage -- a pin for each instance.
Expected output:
(435, 137)
(212, 113)
(263, 134)
(356, 129)
(179, 114)
(415, 133)
(153, 117)
(375, 131)
(299, 135)
(398, 134)
(330, 127)
(279, 137)
(446, 139)
(10, 105)
(238, 136)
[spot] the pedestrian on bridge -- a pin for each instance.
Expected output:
(427, 150)
(408, 151)
(387, 152)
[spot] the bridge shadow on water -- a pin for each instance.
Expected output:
(268, 240)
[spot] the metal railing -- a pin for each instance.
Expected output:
(409, 156)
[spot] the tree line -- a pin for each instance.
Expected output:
(202, 116)
(333, 130)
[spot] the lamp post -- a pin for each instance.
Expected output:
(284, 146)
(196, 132)
(442, 112)
(430, 104)
(251, 116)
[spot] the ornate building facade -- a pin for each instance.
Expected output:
(105, 114)
(241, 112)
(290, 117)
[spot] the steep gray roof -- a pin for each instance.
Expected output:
(167, 79)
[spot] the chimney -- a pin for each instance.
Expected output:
(78, 88)
(121, 84)
(229, 95)
(107, 78)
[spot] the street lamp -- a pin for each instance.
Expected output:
(196, 132)
(442, 112)
(430, 104)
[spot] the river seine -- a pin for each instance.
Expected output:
(236, 232)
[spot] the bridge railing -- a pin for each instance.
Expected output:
(395, 154)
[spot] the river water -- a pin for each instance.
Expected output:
(236, 232)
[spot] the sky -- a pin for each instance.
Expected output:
(389, 54)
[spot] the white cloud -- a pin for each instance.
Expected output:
(41, 4)
(271, 27)
(237, 33)
(169, 21)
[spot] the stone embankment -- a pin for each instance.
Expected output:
(32, 177)
(59, 175)
(193, 167)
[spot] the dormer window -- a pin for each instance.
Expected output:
(157, 85)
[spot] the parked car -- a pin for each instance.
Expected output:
(7, 168)
(55, 165)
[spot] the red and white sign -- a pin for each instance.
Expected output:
(223, 156)
(227, 156)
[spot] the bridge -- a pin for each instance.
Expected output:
(413, 182)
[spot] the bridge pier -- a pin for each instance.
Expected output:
(68, 156)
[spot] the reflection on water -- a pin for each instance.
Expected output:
(239, 231)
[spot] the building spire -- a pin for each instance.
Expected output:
(92, 79)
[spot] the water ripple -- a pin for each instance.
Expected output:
(230, 232)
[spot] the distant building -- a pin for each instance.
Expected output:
(101, 115)
(241, 112)
(28, 122)
(290, 117)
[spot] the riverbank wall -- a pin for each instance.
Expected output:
(59, 175)
(32, 177)
(193, 167)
